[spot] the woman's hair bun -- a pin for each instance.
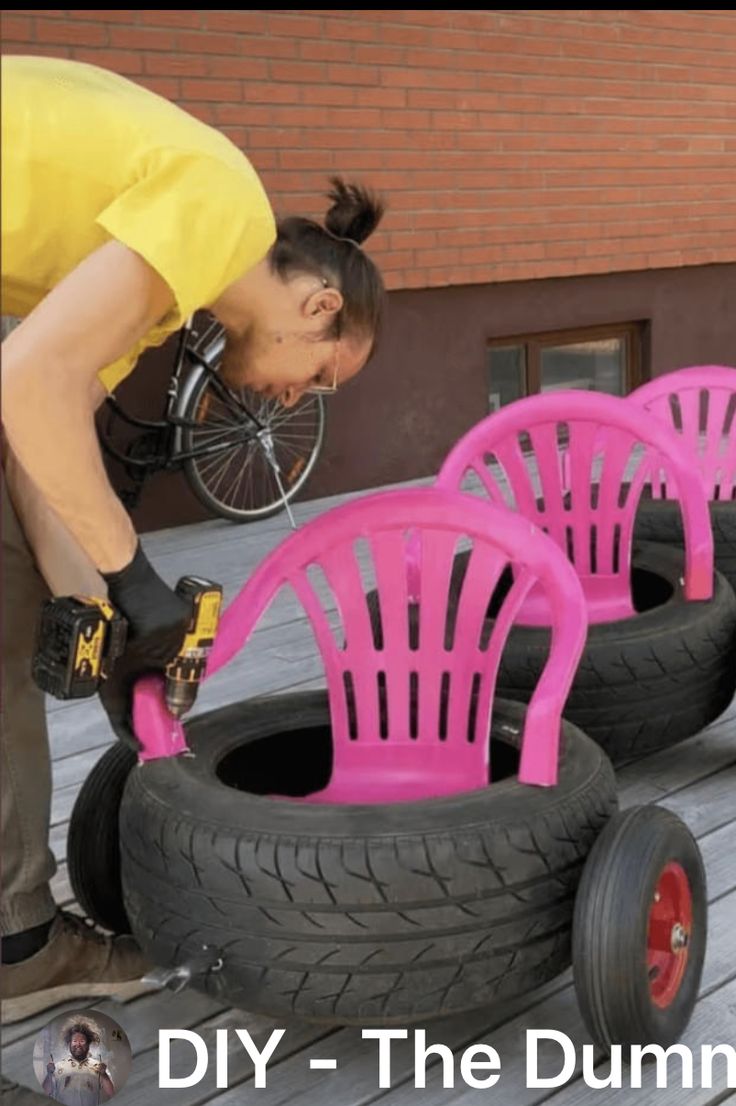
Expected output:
(355, 211)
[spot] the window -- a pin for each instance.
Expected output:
(598, 359)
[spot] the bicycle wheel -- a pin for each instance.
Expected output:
(237, 479)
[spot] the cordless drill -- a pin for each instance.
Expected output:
(79, 639)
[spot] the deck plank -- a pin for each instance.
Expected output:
(670, 769)
(706, 805)
(719, 856)
(714, 1022)
(140, 1018)
(355, 1080)
(696, 779)
(144, 1074)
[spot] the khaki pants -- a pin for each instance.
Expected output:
(27, 861)
(39, 556)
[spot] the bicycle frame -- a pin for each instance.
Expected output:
(161, 441)
(168, 426)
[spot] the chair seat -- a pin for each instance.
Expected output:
(408, 772)
(607, 599)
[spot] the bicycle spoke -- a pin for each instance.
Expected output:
(213, 424)
(246, 476)
(292, 438)
(205, 454)
(297, 430)
(266, 487)
(258, 462)
(288, 416)
(284, 447)
(251, 484)
(236, 473)
(228, 396)
(240, 473)
(223, 439)
(206, 451)
(218, 475)
(226, 494)
(215, 465)
(266, 469)
(204, 443)
(228, 458)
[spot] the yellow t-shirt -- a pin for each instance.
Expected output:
(88, 156)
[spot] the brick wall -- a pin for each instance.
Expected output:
(511, 145)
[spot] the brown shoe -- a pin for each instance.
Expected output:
(78, 961)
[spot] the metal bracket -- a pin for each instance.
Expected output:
(266, 443)
(180, 976)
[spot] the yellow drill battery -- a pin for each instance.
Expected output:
(77, 643)
(79, 639)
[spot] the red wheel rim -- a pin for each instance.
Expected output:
(668, 934)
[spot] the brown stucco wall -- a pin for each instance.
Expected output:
(427, 383)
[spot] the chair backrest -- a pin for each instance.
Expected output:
(575, 463)
(410, 687)
(700, 404)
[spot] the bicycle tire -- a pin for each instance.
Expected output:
(203, 475)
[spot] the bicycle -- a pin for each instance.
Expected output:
(244, 456)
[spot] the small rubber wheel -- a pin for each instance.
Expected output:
(639, 930)
(93, 840)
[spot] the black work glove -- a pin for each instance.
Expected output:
(157, 621)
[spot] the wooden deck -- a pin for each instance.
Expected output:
(697, 780)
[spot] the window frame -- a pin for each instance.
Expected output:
(632, 333)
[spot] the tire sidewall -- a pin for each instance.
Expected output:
(645, 682)
(659, 520)
(192, 785)
(357, 914)
(93, 839)
(658, 560)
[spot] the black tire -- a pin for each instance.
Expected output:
(659, 520)
(354, 914)
(646, 682)
(93, 840)
(296, 438)
(614, 978)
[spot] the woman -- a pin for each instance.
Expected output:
(122, 215)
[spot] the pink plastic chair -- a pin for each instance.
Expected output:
(588, 504)
(393, 739)
(700, 404)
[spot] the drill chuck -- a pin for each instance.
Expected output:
(183, 676)
(180, 699)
